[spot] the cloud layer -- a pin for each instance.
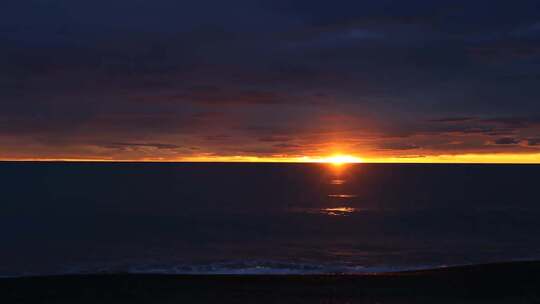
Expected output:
(175, 79)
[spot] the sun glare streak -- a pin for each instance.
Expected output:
(338, 160)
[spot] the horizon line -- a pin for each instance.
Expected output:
(471, 158)
(89, 161)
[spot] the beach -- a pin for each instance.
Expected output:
(515, 282)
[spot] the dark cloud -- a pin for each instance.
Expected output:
(244, 75)
(141, 145)
(506, 52)
(507, 141)
(218, 96)
(453, 119)
(288, 146)
(398, 146)
(217, 137)
(533, 141)
(515, 122)
(275, 138)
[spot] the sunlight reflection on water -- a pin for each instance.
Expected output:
(334, 211)
(338, 211)
(337, 181)
(342, 195)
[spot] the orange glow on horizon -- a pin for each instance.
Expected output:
(337, 160)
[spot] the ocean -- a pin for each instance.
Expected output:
(243, 218)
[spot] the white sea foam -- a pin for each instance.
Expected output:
(249, 267)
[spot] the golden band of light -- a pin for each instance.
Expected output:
(335, 159)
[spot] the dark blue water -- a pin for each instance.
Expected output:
(263, 218)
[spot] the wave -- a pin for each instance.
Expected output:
(247, 267)
(256, 268)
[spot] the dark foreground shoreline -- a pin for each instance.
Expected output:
(517, 282)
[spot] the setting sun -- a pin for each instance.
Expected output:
(339, 160)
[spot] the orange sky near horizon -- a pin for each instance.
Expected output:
(499, 158)
(268, 84)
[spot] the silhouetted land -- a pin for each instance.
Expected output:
(517, 282)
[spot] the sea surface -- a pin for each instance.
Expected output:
(210, 218)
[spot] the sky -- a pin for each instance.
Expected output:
(420, 81)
